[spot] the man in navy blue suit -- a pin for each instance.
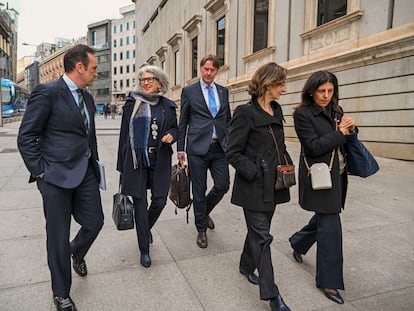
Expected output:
(57, 141)
(203, 129)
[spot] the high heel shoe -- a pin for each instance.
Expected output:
(333, 295)
(145, 260)
(277, 304)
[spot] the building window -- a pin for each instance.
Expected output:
(127, 68)
(114, 85)
(120, 28)
(330, 10)
(127, 54)
(177, 67)
(121, 69)
(133, 67)
(121, 56)
(121, 42)
(134, 39)
(115, 43)
(127, 26)
(194, 55)
(114, 57)
(261, 24)
(114, 70)
(133, 24)
(127, 40)
(220, 39)
(114, 28)
(121, 84)
(127, 82)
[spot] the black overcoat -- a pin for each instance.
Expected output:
(318, 136)
(132, 183)
(252, 152)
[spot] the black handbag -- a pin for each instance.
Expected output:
(285, 173)
(123, 211)
(180, 188)
(359, 160)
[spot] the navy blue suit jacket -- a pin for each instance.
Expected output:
(196, 122)
(52, 136)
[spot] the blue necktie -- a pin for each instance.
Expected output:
(212, 101)
(81, 106)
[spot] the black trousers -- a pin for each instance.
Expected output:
(84, 203)
(256, 252)
(326, 231)
(145, 218)
(215, 161)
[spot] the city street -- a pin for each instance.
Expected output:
(378, 235)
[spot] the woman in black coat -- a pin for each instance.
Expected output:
(321, 128)
(148, 128)
(252, 152)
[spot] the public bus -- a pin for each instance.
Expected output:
(13, 98)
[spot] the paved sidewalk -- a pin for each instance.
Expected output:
(378, 230)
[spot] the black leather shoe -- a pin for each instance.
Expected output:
(64, 304)
(333, 296)
(277, 304)
(297, 256)
(79, 265)
(145, 260)
(210, 223)
(251, 277)
(202, 240)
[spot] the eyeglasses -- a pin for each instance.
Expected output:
(149, 80)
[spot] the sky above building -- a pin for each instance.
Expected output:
(44, 20)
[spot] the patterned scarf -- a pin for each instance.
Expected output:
(139, 127)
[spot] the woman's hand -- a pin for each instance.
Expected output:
(167, 139)
(347, 125)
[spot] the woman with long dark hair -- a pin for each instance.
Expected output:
(321, 128)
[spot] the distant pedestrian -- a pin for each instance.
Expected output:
(57, 141)
(106, 110)
(321, 128)
(113, 110)
(148, 128)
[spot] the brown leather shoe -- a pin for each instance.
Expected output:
(202, 240)
(210, 223)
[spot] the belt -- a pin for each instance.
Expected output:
(152, 149)
(214, 141)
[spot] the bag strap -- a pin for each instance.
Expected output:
(333, 150)
(330, 161)
(277, 148)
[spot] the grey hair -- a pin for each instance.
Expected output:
(158, 73)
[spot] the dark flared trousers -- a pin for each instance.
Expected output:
(326, 231)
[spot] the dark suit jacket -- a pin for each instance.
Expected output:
(52, 136)
(196, 121)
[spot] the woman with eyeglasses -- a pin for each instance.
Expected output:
(148, 129)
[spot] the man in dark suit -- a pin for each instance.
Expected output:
(57, 141)
(203, 128)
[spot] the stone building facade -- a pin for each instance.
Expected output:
(368, 44)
